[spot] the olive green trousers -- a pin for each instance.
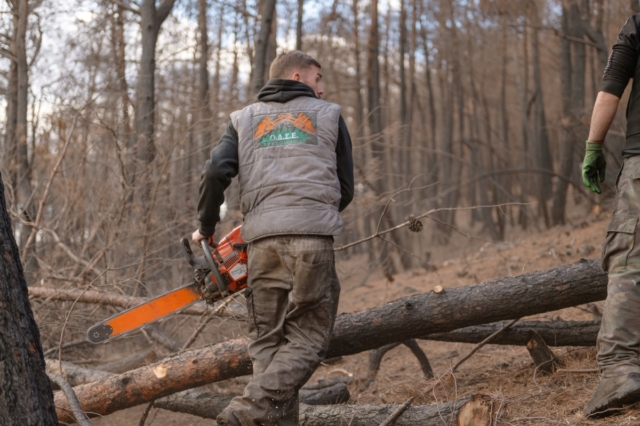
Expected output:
(292, 301)
(619, 337)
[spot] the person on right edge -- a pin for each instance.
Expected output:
(619, 338)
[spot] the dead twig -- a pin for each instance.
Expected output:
(397, 413)
(484, 342)
(81, 418)
(216, 313)
(402, 225)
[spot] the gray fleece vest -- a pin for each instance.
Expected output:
(288, 178)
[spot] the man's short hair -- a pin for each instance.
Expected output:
(289, 62)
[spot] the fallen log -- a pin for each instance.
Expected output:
(193, 401)
(121, 301)
(410, 317)
(495, 300)
(555, 333)
(75, 374)
(469, 411)
(336, 394)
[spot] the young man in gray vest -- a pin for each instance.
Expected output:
(292, 154)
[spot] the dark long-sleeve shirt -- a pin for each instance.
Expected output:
(223, 164)
(623, 66)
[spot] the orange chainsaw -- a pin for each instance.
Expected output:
(221, 272)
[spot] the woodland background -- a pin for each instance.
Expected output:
(110, 108)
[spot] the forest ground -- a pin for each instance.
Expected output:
(504, 372)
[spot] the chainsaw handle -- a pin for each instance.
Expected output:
(214, 268)
(195, 262)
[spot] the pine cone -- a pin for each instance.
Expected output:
(414, 224)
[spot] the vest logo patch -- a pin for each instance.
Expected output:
(285, 129)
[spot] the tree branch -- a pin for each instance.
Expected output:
(7, 54)
(71, 398)
(163, 11)
(125, 6)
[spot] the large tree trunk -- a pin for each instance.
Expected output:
(410, 317)
(204, 95)
(11, 97)
(151, 19)
(262, 45)
(26, 397)
(573, 76)
(23, 165)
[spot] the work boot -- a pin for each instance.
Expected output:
(613, 393)
(227, 419)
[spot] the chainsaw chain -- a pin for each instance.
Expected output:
(206, 284)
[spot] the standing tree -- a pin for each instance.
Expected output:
(26, 397)
(151, 19)
(260, 58)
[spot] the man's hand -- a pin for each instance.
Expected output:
(197, 237)
(594, 167)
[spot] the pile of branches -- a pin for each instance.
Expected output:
(481, 313)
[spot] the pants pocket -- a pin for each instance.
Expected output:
(619, 242)
(312, 278)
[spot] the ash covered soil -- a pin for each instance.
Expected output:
(505, 373)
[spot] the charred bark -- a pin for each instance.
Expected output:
(26, 397)
(495, 300)
(555, 333)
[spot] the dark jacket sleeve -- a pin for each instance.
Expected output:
(216, 176)
(622, 61)
(345, 164)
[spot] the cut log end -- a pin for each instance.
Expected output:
(543, 357)
(477, 412)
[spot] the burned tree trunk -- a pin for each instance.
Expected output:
(26, 397)
(262, 45)
(410, 317)
(555, 333)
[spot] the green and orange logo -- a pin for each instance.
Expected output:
(285, 129)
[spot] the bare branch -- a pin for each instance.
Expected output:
(163, 11)
(7, 54)
(81, 418)
(125, 6)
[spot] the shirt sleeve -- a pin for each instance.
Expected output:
(219, 169)
(621, 66)
(345, 165)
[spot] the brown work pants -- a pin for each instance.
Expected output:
(292, 300)
(619, 337)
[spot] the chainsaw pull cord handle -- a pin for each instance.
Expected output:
(214, 268)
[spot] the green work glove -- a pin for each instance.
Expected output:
(594, 166)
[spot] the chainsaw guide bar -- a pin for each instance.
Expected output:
(145, 314)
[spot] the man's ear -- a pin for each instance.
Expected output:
(295, 76)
